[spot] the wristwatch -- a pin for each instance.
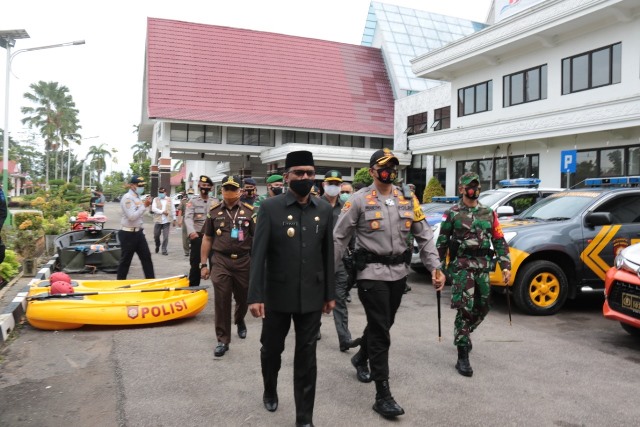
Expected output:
(201, 266)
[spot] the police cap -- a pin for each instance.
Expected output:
(231, 180)
(382, 157)
(205, 180)
(333, 175)
(137, 179)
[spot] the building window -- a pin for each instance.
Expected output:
(333, 139)
(605, 162)
(250, 136)
(525, 86)
(292, 136)
(493, 170)
(597, 68)
(475, 99)
(380, 143)
(351, 141)
(441, 118)
(183, 132)
(417, 124)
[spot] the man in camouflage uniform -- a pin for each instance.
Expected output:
(275, 186)
(467, 232)
(197, 209)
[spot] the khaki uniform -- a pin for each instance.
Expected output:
(196, 215)
(231, 232)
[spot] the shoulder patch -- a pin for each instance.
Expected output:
(215, 205)
(347, 206)
(418, 215)
(248, 205)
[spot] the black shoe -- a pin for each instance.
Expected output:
(362, 368)
(304, 424)
(221, 349)
(270, 402)
(348, 297)
(385, 404)
(319, 337)
(165, 253)
(344, 346)
(388, 407)
(462, 365)
(242, 329)
(407, 288)
(157, 249)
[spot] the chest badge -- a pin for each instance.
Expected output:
(375, 225)
(390, 202)
(290, 217)
(317, 218)
(218, 232)
(219, 212)
(291, 232)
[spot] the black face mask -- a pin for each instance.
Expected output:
(205, 191)
(472, 192)
(249, 193)
(387, 175)
(301, 187)
(276, 190)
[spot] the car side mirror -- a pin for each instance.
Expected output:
(505, 211)
(598, 218)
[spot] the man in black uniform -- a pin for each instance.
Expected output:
(292, 277)
(228, 231)
(3, 218)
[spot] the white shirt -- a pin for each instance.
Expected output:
(159, 211)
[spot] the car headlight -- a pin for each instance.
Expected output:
(619, 262)
(509, 235)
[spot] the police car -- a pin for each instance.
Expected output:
(564, 245)
(622, 290)
(512, 198)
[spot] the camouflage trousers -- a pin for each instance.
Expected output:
(470, 292)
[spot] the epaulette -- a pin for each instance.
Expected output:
(248, 205)
(215, 205)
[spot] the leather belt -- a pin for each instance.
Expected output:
(232, 256)
(131, 229)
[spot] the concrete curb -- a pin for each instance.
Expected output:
(12, 314)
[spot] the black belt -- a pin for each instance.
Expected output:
(385, 259)
(232, 256)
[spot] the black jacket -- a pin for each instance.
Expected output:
(292, 255)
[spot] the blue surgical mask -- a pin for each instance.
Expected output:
(210, 193)
(344, 197)
(140, 191)
(162, 195)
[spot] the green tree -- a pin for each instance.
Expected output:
(363, 176)
(98, 155)
(54, 115)
(432, 189)
(141, 151)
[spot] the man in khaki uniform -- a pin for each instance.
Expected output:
(382, 218)
(194, 219)
(183, 211)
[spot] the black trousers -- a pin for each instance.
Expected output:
(380, 300)
(194, 260)
(132, 242)
(275, 327)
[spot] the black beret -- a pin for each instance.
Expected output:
(299, 158)
(250, 181)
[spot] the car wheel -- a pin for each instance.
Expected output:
(541, 288)
(632, 330)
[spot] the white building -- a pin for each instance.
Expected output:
(557, 76)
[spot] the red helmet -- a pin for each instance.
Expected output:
(59, 276)
(61, 288)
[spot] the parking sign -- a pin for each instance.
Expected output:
(568, 159)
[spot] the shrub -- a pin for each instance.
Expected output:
(362, 175)
(432, 189)
(10, 266)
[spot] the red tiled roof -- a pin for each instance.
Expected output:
(209, 73)
(176, 179)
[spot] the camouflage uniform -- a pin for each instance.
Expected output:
(467, 234)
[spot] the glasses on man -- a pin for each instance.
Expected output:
(302, 172)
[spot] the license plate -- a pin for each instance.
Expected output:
(631, 302)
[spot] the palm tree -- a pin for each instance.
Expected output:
(98, 156)
(54, 115)
(141, 151)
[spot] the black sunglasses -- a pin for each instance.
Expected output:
(301, 173)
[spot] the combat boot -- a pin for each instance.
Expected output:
(462, 365)
(385, 404)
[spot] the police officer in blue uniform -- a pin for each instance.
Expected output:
(292, 277)
(131, 234)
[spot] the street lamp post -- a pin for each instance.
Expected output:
(8, 40)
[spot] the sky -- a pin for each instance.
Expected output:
(105, 75)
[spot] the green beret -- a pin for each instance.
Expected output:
(275, 178)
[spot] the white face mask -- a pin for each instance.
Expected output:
(140, 191)
(332, 190)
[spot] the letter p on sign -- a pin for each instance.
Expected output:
(568, 160)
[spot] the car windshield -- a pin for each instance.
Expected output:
(491, 197)
(558, 207)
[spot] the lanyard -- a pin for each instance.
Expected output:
(233, 220)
